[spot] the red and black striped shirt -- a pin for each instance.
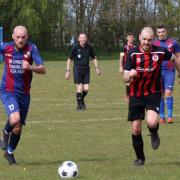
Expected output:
(126, 49)
(148, 66)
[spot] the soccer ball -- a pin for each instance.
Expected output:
(68, 169)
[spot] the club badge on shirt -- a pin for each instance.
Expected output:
(155, 57)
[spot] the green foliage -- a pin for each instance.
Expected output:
(51, 23)
(103, 38)
(33, 24)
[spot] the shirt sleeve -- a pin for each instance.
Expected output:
(176, 47)
(2, 47)
(168, 55)
(124, 49)
(36, 56)
(72, 53)
(128, 64)
(92, 53)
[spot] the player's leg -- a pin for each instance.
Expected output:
(11, 106)
(78, 80)
(162, 104)
(86, 80)
(126, 98)
(12, 109)
(79, 89)
(13, 142)
(136, 115)
(20, 116)
(169, 83)
(137, 142)
(84, 93)
(153, 125)
(152, 108)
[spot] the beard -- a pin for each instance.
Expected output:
(19, 46)
(146, 47)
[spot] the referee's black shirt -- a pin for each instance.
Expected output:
(80, 55)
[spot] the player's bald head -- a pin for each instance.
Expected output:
(20, 29)
(147, 30)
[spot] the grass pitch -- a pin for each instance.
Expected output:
(98, 139)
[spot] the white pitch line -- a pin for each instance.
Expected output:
(82, 120)
(75, 121)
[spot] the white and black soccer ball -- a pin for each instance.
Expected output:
(68, 169)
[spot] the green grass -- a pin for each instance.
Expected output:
(98, 140)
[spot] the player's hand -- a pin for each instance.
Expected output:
(121, 69)
(98, 72)
(132, 73)
(25, 65)
(67, 75)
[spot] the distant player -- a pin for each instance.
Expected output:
(167, 72)
(18, 56)
(80, 55)
(142, 71)
(123, 55)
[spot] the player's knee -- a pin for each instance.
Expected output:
(86, 88)
(152, 124)
(168, 93)
(79, 88)
(14, 118)
(17, 129)
(136, 130)
(14, 121)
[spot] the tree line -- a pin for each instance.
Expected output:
(52, 23)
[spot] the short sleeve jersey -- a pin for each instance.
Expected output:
(148, 66)
(172, 46)
(81, 55)
(14, 78)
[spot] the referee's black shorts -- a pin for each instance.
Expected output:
(81, 74)
(138, 106)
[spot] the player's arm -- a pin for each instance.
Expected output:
(129, 70)
(176, 59)
(39, 69)
(121, 56)
(96, 66)
(69, 60)
(94, 59)
(68, 67)
(176, 56)
(129, 75)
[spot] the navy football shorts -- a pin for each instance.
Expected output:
(16, 102)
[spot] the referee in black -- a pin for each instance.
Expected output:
(80, 54)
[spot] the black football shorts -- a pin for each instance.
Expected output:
(138, 106)
(81, 74)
